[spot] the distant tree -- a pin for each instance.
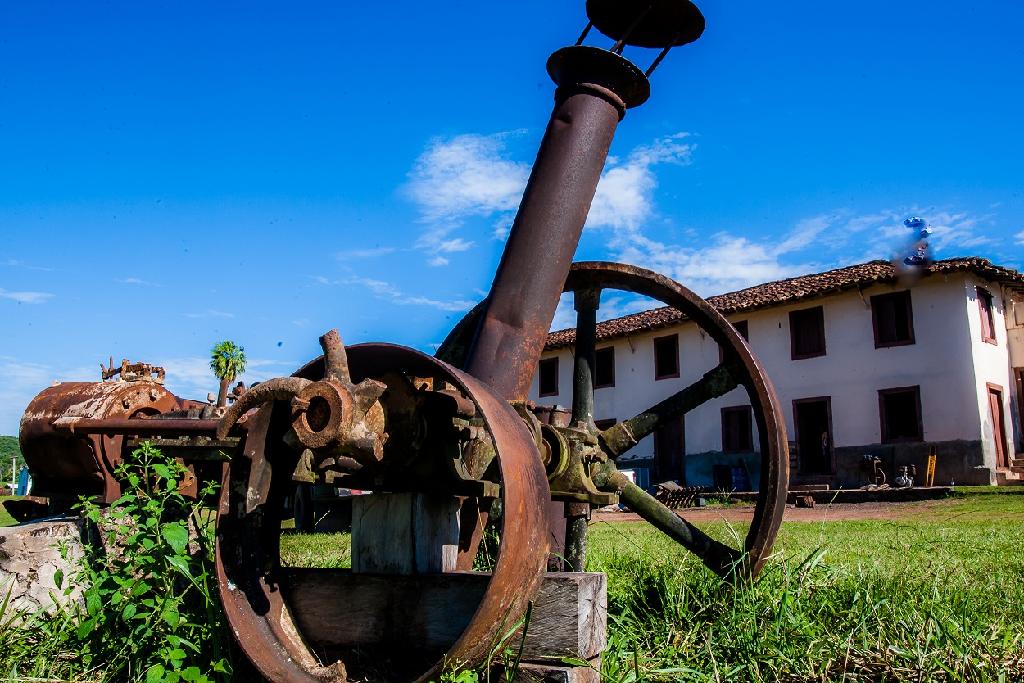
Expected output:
(10, 457)
(227, 360)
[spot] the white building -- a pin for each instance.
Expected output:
(862, 364)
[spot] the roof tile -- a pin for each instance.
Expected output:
(788, 291)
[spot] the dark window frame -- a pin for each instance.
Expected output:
(743, 328)
(674, 339)
(794, 326)
(611, 368)
(886, 438)
(908, 306)
(749, 436)
(540, 376)
(988, 318)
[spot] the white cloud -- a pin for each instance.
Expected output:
(210, 313)
(453, 245)
(466, 175)
(728, 263)
(188, 377)
(191, 377)
(470, 175)
(390, 292)
(460, 177)
(15, 263)
(1019, 237)
(438, 261)
(20, 381)
(625, 194)
(136, 281)
(360, 254)
(26, 297)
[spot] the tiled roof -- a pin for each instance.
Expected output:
(788, 291)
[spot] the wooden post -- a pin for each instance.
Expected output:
(404, 533)
(341, 608)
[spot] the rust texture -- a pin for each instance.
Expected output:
(65, 464)
(740, 366)
(247, 561)
(518, 312)
(390, 419)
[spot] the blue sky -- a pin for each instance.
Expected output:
(173, 174)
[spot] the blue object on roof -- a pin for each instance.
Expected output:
(915, 222)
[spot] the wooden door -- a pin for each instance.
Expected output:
(995, 408)
(1018, 375)
(812, 418)
(670, 452)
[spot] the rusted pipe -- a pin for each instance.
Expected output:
(623, 436)
(137, 426)
(586, 302)
(594, 89)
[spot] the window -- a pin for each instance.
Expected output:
(605, 424)
(741, 327)
(737, 430)
(900, 414)
(893, 319)
(807, 332)
(666, 356)
(604, 367)
(548, 371)
(988, 323)
(670, 451)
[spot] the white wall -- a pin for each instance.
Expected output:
(991, 365)
(851, 372)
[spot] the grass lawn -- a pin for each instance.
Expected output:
(933, 592)
(919, 591)
(6, 519)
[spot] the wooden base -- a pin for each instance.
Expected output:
(338, 610)
(546, 673)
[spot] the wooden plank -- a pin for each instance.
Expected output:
(339, 608)
(404, 533)
(435, 521)
(549, 673)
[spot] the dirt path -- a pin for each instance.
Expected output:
(819, 513)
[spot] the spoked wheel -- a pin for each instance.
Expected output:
(738, 368)
(390, 419)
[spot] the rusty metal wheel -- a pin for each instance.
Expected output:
(738, 367)
(261, 598)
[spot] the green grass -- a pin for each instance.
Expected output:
(6, 519)
(323, 551)
(935, 594)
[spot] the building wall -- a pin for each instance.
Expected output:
(991, 366)
(1014, 316)
(945, 362)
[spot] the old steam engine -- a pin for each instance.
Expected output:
(448, 444)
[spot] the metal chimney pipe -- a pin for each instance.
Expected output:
(595, 87)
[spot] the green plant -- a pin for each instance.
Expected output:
(150, 609)
(227, 360)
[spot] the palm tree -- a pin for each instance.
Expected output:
(227, 360)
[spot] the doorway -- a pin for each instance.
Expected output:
(812, 418)
(995, 409)
(670, 452)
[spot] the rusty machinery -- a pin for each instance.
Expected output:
(456, 427)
